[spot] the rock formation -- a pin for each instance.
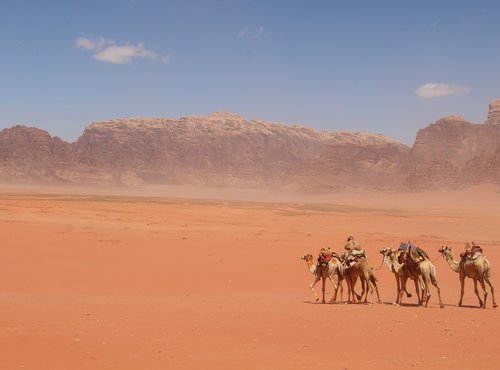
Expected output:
(494, 113)
(220, 150)
(31, 154)
(226, 150)
(453, 152)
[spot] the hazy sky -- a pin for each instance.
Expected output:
(388, 67)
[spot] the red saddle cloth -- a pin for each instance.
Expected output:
(323, 259)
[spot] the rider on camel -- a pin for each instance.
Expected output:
(413, 252)
(353, 251)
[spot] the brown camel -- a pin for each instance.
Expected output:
(334, 268)
(364, 270)
(426, 270)
(477, 269)
(404, 273)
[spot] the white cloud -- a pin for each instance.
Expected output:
(84, 43)
(260, 32)
(108, 51)
(242, 33)
(124, 54)
(435, 90)
(247, 33)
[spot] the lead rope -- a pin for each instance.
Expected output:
(435, 259)
(381, 263)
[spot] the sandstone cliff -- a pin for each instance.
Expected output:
(453, 152)
(221, 149)
(226, 150)
(31, 154)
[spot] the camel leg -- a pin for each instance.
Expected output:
(363, 287)
(316, 298)
(408, 294)
(374, 283)
(402, 290)
(354, 296)
(422, 290)
(417, 290)
(323, 286)
(492, 292)
(435, 283)
(354, 280)
(351, 295)
(462, 285)
(335, 288)
(339, 286)
(477, 293)
(341, 290)
(367, 283)
(427, 294)
(348, 282)
(481, 281)
(398, 289)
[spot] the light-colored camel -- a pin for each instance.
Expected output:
(364, 270)
(332, 270)
(425, 269)
(477, 269)
(403, 273)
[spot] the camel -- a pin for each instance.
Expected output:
(403, 273)
(425, 269)
(477, 269)
(364, 270)
(334, 268)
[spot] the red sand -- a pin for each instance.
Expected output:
(101, 282)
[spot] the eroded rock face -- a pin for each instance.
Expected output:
(226, 150)
(31, 154)
(494, 113)
(453, 153)
(354, 165)
(221, 149)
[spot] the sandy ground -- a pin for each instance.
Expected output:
(129, 282)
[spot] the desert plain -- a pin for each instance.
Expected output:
(183, 278)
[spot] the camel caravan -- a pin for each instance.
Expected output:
(406, 262)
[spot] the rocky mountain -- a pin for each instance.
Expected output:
(226, 150)
(30, 154)
(218, 150)
(453, 153)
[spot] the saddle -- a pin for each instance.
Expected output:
(325, 258)
(354, 257)
(411, 253)
(471, 254)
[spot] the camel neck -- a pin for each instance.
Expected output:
(388, 262)
(455, 266)
(312, 266)
(395, 263)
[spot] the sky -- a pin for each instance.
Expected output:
(389, 67)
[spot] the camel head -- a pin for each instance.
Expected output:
(307, 257)
(386, 251)
(446, 251)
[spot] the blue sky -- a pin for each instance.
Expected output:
(389, 67)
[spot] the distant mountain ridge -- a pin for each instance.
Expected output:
(223, 149)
